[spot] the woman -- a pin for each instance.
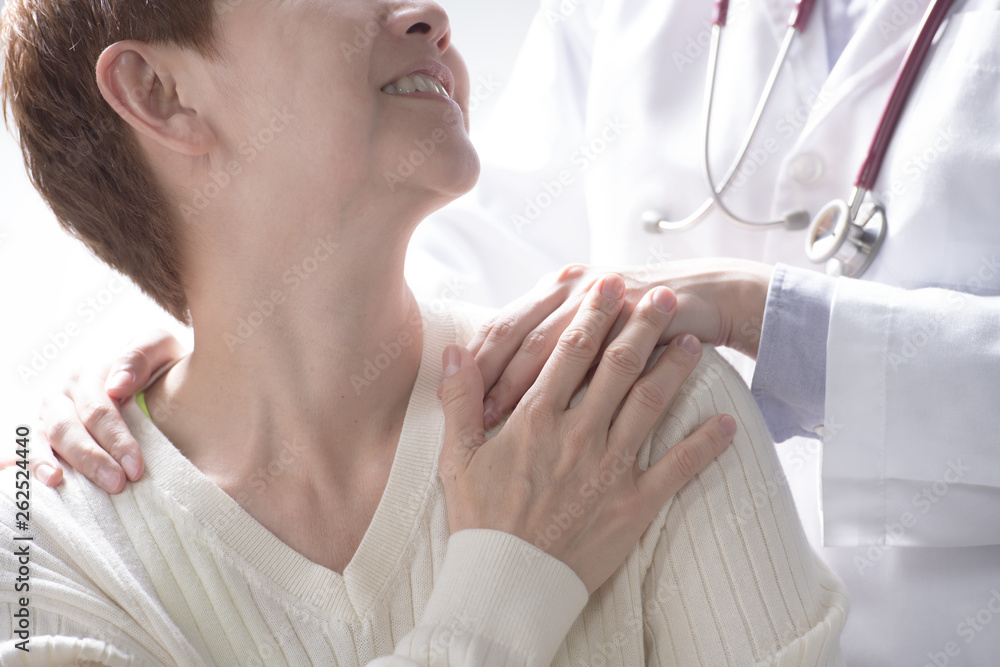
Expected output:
(293, 510)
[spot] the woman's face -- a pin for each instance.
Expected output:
(362, 102)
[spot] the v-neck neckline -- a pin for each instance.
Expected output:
(349, 596)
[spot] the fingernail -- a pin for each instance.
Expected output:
(120, 380)
(690, 344)
(44, 472)
(131, 466)
(489, 412)
(728, 425)
(613, 288)
(108, 478)
(452, 361)
(664, 300)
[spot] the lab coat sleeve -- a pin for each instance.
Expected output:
(789, 379)
(527, 216)
(911, 452)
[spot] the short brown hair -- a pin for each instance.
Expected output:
(79, 153)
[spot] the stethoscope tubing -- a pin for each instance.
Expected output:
(905, 79)
(797, 21)
(869, 171)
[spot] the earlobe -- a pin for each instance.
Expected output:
(147, 98)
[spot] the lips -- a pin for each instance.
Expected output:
(412, 83)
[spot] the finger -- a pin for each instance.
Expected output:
(145, 356)
(527, 364)
(101, 416)
(580, 344)
(495, 344)
(462, 400)
(625, 357)
(685, 460)
(653, 393)
(44, 465)
(69, 436)
(503, 336)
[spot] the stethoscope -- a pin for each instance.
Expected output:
(845, 234)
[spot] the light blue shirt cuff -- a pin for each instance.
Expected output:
(789, 381)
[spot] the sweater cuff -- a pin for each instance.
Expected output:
(497, 587)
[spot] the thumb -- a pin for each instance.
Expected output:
(462, 400)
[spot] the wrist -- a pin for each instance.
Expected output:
(748, 286)
(720, 300)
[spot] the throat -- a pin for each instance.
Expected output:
(321, 518)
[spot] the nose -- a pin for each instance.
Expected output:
(424, 20)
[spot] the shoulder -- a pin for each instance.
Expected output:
(713, 388)
(76, 569)
(466, 318)
(714, 385)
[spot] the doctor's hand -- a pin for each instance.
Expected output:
(84, 424)
(553, 460)
(720, 301)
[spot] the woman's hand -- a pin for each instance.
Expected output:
(721, 301)
(565, 478)
(84, 425)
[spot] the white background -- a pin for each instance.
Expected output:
(57, 308)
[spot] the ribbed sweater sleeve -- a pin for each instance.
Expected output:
(731, 578)
(498, 601)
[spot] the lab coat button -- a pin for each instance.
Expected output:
(807, 169)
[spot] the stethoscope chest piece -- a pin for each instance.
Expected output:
(847, 246)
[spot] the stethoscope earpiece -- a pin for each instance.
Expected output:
(797, 220)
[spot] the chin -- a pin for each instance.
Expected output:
(466, 174)
(446, 173)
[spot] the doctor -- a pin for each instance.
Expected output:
(886, 389)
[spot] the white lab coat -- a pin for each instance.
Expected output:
(602, 121)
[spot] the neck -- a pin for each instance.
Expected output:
(317, 355)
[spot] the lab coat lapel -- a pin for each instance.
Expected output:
(873, 56)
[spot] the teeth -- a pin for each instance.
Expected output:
(422, 84)
(406, 86)
(413, 83)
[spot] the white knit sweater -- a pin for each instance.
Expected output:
(173, 571)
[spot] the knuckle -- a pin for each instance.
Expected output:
(579, 344)
(502, 329)
(604, 308)
(535, 344)
(571, 273)
(134, 359)
(453, 396)
(686, 461)
(624, 359)
(484, 330)
(89, 462)
(651, 394)
(94, 414)
(56, 431)
(535, 413)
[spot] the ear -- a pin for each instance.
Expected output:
(135, 80)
